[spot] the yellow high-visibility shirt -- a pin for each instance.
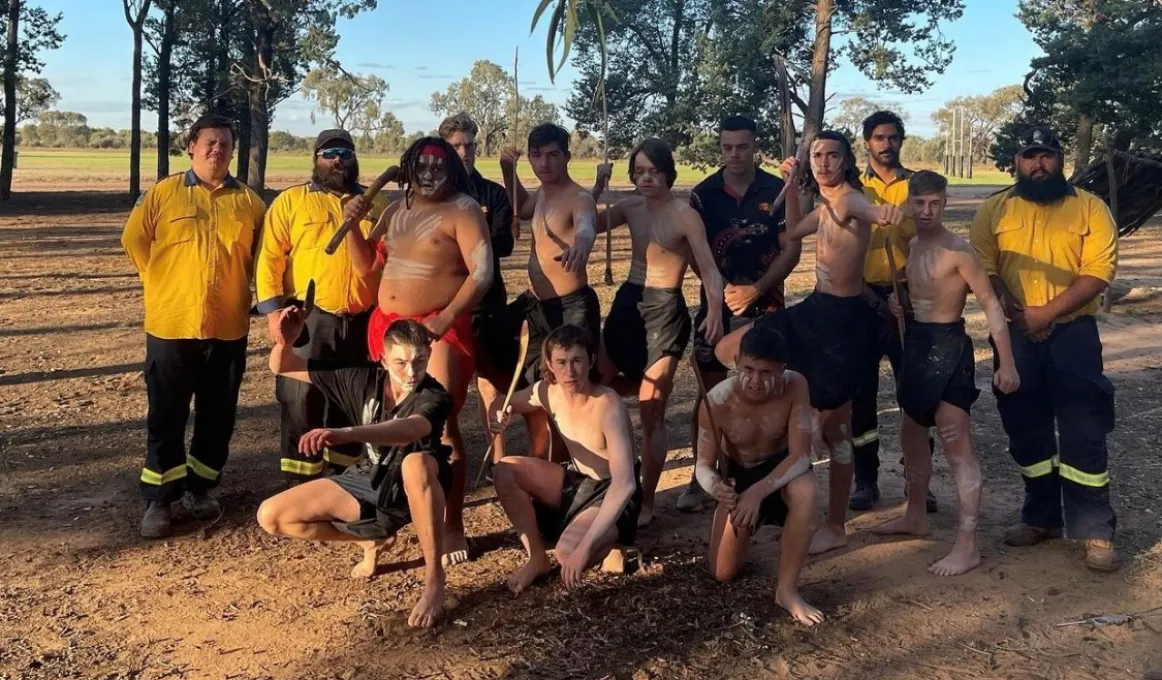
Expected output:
(875, 268)
(1040, 249)
(194, 249)
(300, 222)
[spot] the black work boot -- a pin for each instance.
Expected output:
(865, 496)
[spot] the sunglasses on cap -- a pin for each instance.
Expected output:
(337, 152)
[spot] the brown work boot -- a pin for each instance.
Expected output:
(1100, 555)
(157, 522)
(1024, 535)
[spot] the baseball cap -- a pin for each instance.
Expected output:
(329, 137)
(1038, 138)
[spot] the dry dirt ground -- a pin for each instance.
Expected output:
(81, 596)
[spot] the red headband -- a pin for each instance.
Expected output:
(434, 150)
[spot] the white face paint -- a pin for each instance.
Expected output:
(406, 365)
(481, 260)
(431, 175)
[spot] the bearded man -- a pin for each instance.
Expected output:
(1050, 250)
(299, 223)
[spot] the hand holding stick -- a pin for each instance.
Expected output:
(388, 175)
(520, 364)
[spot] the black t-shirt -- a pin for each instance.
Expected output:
(358, 391)
(493, 200)
(742, 232)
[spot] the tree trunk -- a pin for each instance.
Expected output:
(8, 156)
(259, 109)
(169, 34)
(137, 23)
(813, 121)
(1084, 142)
(135, 117)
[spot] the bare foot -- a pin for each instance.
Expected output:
(371, 551)
(620, 560)
(828, 537)
(455, 547)
(904, 525)
(646, 516)
(428, 609)
(535, 568)
(798, 608)
(964, 557)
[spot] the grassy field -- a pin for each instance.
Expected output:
(68, 167)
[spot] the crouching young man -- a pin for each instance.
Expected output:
(405, 472)
(593, 505)
(765, 416)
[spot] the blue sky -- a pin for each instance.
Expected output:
(398, 42)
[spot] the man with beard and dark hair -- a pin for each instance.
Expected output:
(1050, 250)
(299, 223)
(885, 180)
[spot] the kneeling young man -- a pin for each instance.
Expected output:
(937, 373)
(766, 419)
(406, 472)
(591, 506)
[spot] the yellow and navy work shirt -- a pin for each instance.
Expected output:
(1040, 249)
(300, 222)
(875, 269)
(194, 250)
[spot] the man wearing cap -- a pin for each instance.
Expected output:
(1051, 249)
(299, 224)
(191, 239)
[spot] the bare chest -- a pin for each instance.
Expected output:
(428, 235)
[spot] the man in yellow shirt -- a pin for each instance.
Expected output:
(884, 181)
(1050, 250)
(191, 238)
(299, 224)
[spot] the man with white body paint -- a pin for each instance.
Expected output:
(765, 414)
(830, 334)
(564, 228)
(405, 474)
(936, 384)
(648, 326)
(433, 250)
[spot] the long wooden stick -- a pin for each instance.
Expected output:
(605, 160)
(718, 436)
(520, 364)
(516, 139)
(893, 272)
(387, 176)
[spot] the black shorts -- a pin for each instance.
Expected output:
(375, 519)
(580, 492)
(773, 509)
(831, 339)
(704, 351)
(644, 325)
(495, 342)
(580, 308)
(938, 366)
